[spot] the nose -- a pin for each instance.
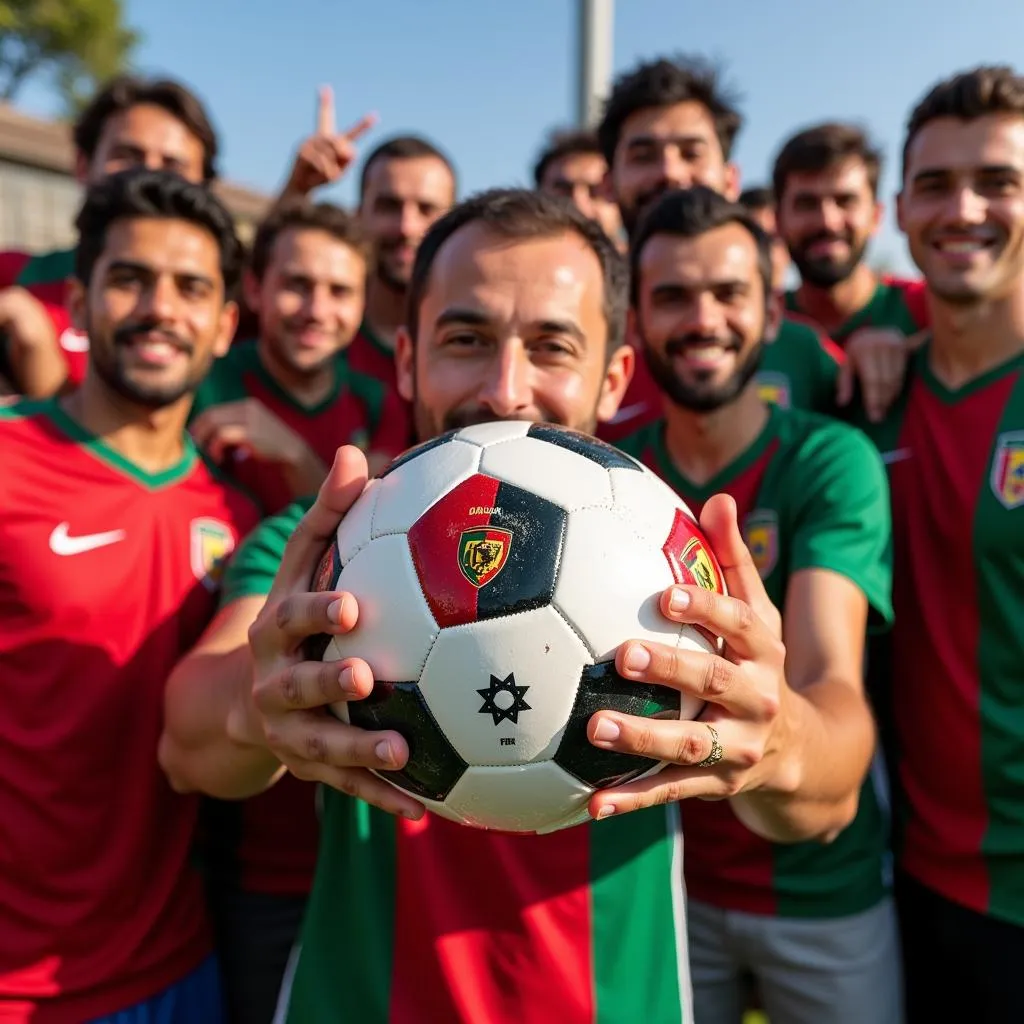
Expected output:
(411, 222)
(160, 302)
(507, 389)
(676, 171)
(581, 199)
(967, 207)
(832, 219)
(318, 303)
(707, 315)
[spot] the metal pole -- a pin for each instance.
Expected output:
(594, 54)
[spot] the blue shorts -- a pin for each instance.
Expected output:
(196, 999)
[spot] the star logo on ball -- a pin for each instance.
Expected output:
(503, 700)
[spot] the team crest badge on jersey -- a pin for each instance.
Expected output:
(212, 542)
(761, 533)
(1008, 469)
(774, 389)
(482, 553)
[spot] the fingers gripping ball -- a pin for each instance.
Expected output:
(497, 569)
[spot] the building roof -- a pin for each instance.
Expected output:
(48, 146)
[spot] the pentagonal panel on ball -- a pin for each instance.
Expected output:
(434, 766)
(487, 549)
(558, 474)
(517, 798)
(610, 582)
(502, 690)
(395, 627)
(408, 491)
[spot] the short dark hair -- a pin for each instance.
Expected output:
(301, 213)
(989, 89)
(126, 91)
(758, 197)
(823, 147)
(518, 213)
(562, 143)
(661, 83)
(690, 213)
(403, 147)
(139, 193)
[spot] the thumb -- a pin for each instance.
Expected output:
(720, 522)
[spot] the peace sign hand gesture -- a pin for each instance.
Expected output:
(327, 154)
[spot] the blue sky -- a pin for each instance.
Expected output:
(487, 79)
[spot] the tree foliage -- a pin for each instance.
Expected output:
(79, 42)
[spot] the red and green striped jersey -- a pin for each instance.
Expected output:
(108, 575)
(358, 411)
(956, 470)
(429, 920)
(368, 355)
(810, 494)
(896, 302)
(47, 277)
(799, 370)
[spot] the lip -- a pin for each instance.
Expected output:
(963, 250)
(703, 357)
(830, 247)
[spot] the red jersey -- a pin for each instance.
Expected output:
(108, 575)
(47, 277)
(370, 356)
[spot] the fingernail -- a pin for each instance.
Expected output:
(606, 812)
(637, 659)
(334, 609)
(347, 678)
(607, 731)
(678, 600)
(383, 752)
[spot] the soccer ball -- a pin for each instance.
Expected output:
(497, 568)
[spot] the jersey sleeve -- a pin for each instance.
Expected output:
(11, 265)
(252, 568)
(842, 519)
(388, 417)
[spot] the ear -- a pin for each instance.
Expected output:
(76, 305)
(899, 212)
(226, 329)
(617, 376)
(81, 168)
(251, 290)
(731, 191)
(878, 217)
(405, 356)
(773, 314)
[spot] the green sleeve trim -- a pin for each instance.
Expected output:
(48, 268)
(841, 516)
(371, 392)
(25, 408)
(252, 568)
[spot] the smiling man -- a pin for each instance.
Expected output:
(955, 448)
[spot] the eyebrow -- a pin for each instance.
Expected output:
(144, 268)
(660, 140)
(941, 172)
(474, 318)
(674, 287)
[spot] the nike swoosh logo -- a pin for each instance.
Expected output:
(62, 544)
(896, 455)
(74, 341)
(629, 412)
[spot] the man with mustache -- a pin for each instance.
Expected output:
(517, 312)
(274, 410)
(813, 923)
(671, 124)
(131, 122)
(954, 444)
(825, 181)
(115, 532)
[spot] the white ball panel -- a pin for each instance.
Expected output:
(563, 477)
(539, 650)
(410, 490)
(484, 434)
(391, 605)
(354, 531)
(520, 798)
(647, 502)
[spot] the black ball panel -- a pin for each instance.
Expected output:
(583, 444)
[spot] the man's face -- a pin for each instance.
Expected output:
(154, 310)
(827, 219)
(310, 300)
(665, 148)
(144, 136)
(765, 217)
(403, 197)
(962, 206)
(511, 330)
(581, 178)
(702, 315)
